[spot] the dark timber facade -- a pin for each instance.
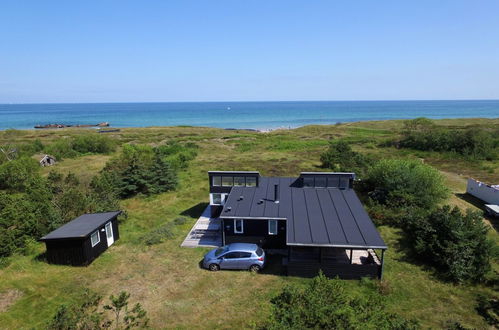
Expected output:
(316, 218)
(83, 239)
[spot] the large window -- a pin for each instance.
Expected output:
(239, 181)
(320, 181)
(218, 199)
(250, 181)
(308, 181)
(333, 181)
(217, 181)
(344, 182)
(238, 226)
(227, 181)
(272, 227)
(95, 238)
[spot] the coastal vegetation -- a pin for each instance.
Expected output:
(166, 279)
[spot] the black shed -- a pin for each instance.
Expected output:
(83, 239)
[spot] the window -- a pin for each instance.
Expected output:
(239, 181)
(259, 252)
(227, 181)
(218, 199)
(232, 255)
(244, 254)
(308, 181)
(333, 181)
(238, 226)
(221, 250)
(250, 181)
(320, 181)
(95, 238)
(216, 181)
(344, 182)
(272, 227)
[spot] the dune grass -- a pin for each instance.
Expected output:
(166, 279)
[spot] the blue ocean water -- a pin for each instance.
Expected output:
(256, 115)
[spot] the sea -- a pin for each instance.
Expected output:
(231, 115)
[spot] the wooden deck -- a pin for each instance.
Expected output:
(206, 232)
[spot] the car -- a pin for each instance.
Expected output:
(235, 256)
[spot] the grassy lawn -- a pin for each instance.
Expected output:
(166, 279)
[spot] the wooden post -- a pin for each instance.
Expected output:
(382, 264)
(351, 256)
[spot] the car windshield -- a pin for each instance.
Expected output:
(221, 250)
(259, 252)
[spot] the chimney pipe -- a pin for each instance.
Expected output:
(276, 193)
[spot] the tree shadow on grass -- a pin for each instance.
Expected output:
(481, 205)
(196, 211)
(407, 255)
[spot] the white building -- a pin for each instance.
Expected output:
(487, 193)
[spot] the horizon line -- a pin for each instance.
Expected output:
(242, 101)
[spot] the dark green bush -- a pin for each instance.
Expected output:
(142, 170)
(328, 304)
(488, 308)
(472, 143)
(98, 144)
(405, 183)
(456, 244)
(79, 145)
(341, 158)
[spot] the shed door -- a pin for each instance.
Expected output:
(109, 234)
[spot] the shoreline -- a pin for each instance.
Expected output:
(259, 130)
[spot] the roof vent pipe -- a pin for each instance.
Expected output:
(276, 193)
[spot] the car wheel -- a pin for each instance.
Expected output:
(214, 267)
(255, 268)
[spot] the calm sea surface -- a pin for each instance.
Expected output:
(257, 115)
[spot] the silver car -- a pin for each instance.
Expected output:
(235, 256)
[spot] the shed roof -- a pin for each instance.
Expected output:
(82, 226)
(315, 216)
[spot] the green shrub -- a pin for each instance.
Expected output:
(456, 244)
(474, 143)
(140, 170)
(405, 183)
(159, 235)
(488, 308)
(79, 145)
(328, 304)
(341, 158)
(98, 144)
(18, 174)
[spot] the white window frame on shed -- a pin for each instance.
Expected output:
(276, 227)
(222, 196)
(98, 238)
(242, 226)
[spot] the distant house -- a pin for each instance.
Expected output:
(47, 160)
(83, 239)
(487, 193)
(316, 218)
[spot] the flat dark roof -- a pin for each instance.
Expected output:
(82, 226)
(315, 216)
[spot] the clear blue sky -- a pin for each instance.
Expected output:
(121, 51)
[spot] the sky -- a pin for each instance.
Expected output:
(154, 51)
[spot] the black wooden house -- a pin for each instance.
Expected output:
(316, 218)
(83, 239)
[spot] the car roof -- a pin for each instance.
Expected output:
(242, 247)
